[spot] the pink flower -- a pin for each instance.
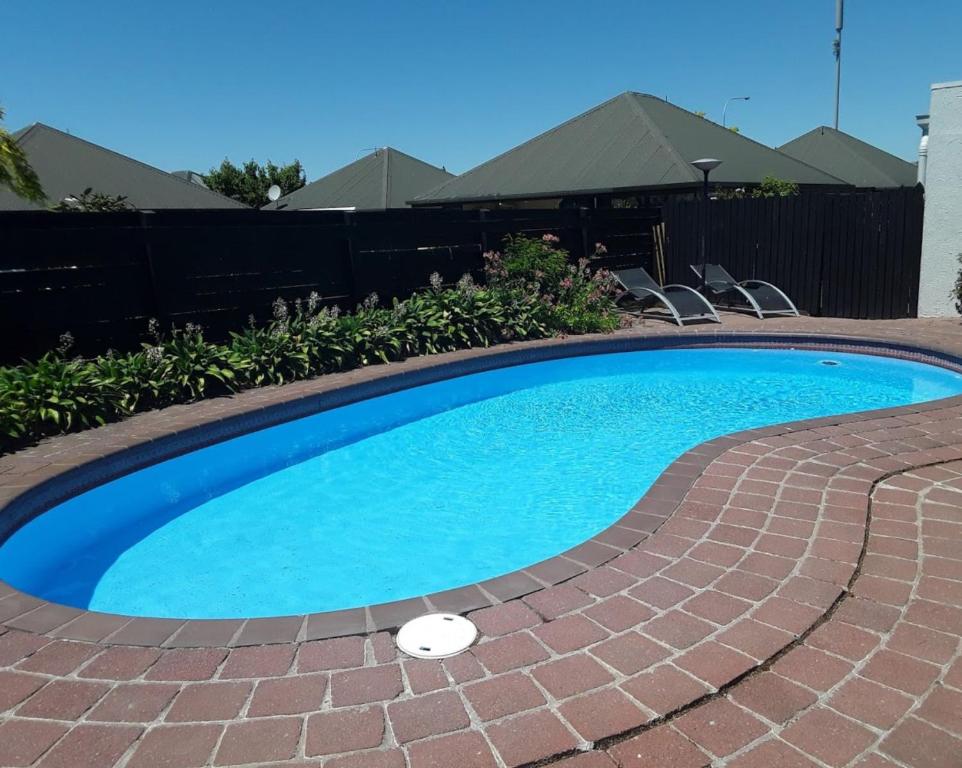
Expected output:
(549, 238)
(600, 248)
(566, 283)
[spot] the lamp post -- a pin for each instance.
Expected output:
(706, 165)
(729, 101)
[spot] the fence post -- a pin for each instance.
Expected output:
(160, 308)
(583, 214)
(482, 218)
(349, 238)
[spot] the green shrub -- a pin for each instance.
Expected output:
(531, 291)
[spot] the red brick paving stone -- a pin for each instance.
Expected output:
(460, 750)
(630, 653)
(259, 661)
(881, 590)
(91, 746)
(15, 687)
(720, 727)
(571, 675)
(388, 758)
(16, 645)
(133, 703)
(717, 554)
(772, 696)
(665, 689)
(901, 672)
(530, 737)
(288, 695)
(505, 618)
(828, 737)
(867, 614)
(661, 747)
(716, 606)
(945, 618)
(750, 586)
(820, 594)
(61, 657)
(463, 668)
(788, 615)
(384, 648)
(827, 570)
(922, 643)
(638, 563)
(943, 707)
(772, 566)
(363, 686)
(569, 633)
(660, 592)
(870, 702)
(771, 754)
(176, 746)
(187, 664)
(208, 701)
(337, 653)
(603, 581)
(922, 746)
(510, 652)
(557, 601)
(586, 760)
(618, 613)
(693, 573)
(429, 715)
(504, 695)
(602, 713)
(844, 640)
(715, 664)
(63, 700)
(331, 733)
(812, 667)
(23, 741)
(425, 675)
(120, 663)
(258, 741)
(759, 641)
(678, 629)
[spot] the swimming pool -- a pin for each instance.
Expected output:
(426, 489)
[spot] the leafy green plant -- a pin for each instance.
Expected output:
(530, 291)
(249, 183)
(89, 201)
(772, 186)
(15, 171)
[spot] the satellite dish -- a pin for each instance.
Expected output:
(273, 193)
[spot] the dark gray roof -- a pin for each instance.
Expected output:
(851, 159)
(68, 165)
(386, 178)
(632, 141)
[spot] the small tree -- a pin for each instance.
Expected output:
(15, 171)
(957, 290)
(89, 201)
(249, 184)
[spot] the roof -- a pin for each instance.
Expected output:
(632, 141)
(67, 165)
(386, 178)
(851, 159)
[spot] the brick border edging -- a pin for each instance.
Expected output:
(644, 518)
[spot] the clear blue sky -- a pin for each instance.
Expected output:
(183, 84)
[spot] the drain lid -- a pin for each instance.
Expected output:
(436, 636)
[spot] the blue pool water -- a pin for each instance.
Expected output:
(426, 489)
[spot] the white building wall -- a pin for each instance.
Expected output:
(942, 230)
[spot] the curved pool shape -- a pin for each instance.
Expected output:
(426, 489)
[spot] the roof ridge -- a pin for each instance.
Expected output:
(517, 148)
(656, 129)
(386, 178)
(715, 125)
(397, 151)
(153, 168)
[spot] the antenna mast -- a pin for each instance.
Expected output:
(837, 46)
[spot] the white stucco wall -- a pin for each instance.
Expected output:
(942, 230)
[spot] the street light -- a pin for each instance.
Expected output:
(725, 109)
(706, 165)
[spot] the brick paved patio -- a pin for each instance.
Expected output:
(800, 604)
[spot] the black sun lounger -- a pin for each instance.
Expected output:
(683, 302)
(763, 298)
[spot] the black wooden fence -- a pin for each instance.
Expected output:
(839, 254)
(102, 276)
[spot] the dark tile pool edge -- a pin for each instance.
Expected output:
(24, 612)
